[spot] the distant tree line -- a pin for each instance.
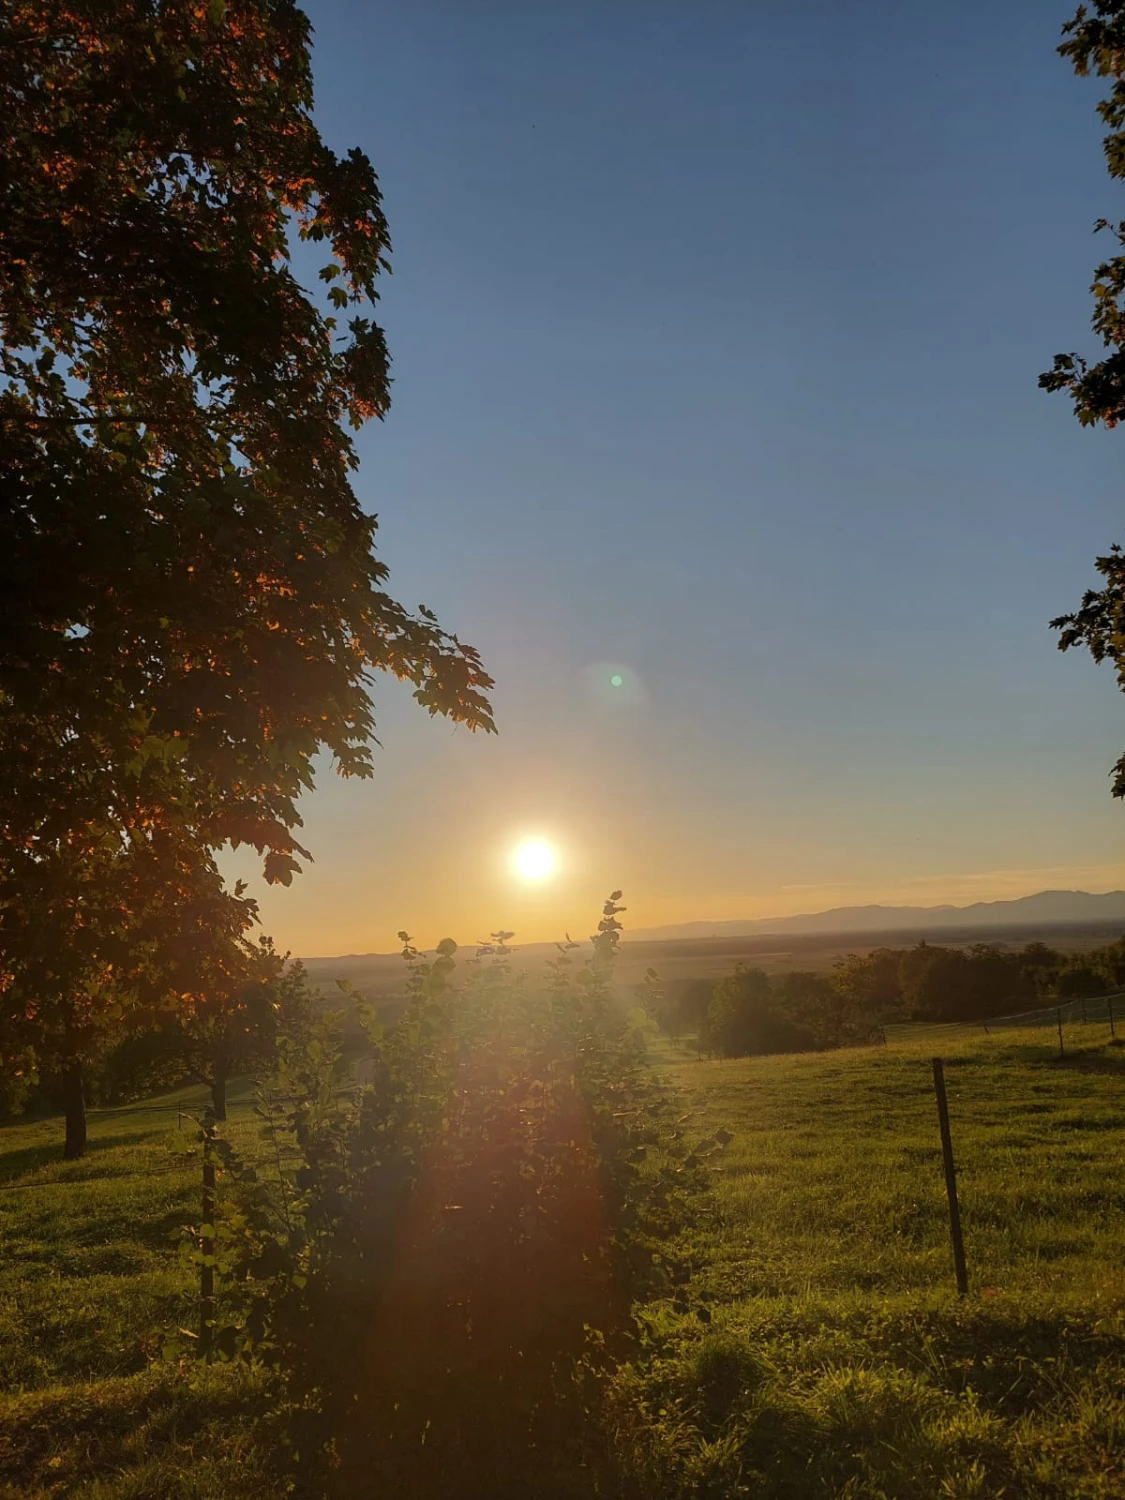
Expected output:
(751, 1012)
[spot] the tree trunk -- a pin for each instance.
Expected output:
(75, 1103)
(219, 1093)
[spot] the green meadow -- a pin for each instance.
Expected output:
(817, 1349)
(838, 1359)
(90, 1278)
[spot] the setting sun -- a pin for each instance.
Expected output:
(534, 860)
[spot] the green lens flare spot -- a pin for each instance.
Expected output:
(616, 680)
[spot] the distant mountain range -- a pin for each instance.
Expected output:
(1046, 909)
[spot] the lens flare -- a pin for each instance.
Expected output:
(534, 860)
(614, 686)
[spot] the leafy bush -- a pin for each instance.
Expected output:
(438, 1266)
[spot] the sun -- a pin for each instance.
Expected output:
(534, 860)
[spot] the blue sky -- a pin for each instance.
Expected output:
(716, 331)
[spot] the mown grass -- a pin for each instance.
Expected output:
(826, 1353)
(90, 1275)
(836, 1359)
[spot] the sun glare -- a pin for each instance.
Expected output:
(534, 860)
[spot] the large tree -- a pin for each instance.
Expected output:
(190, 604)
(1094, 42)
(185, 570)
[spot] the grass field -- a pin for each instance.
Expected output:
(89, 1277)
(837, 1360)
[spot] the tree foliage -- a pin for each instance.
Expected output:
(191, 608)
(745, 1018)
(227, 1024)
(187, 580)
(1095, 44)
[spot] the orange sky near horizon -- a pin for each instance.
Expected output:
(629, 801)
(546, 913)
(352, 899)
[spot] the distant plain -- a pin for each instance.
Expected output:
(379, 977)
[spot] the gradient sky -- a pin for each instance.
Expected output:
(716, 331)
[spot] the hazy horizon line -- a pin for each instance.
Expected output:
(887, 903)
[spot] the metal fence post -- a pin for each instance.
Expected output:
(959, 1266)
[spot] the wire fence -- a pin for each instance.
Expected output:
(189, 1108)
(1090, 1022)
(194, 1112)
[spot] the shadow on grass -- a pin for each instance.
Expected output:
(27, 1159)
(152, 1433)
(1102, 1057)
(1089, 1060)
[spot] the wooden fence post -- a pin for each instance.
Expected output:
(959, 1267)
(1058, 1020)
(1112, 1028)
(207, 1245)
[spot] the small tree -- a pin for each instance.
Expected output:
(826, 1010)
(95, 935)
(1111, 961)
(743, 1018)
(229, 1026)
(692, 1003)
(1039, 967)
(1081, 980)
(871, 984)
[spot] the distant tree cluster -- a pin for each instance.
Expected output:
(753, 1013)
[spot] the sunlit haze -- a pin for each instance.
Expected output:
(716, 332)
(534, 860)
